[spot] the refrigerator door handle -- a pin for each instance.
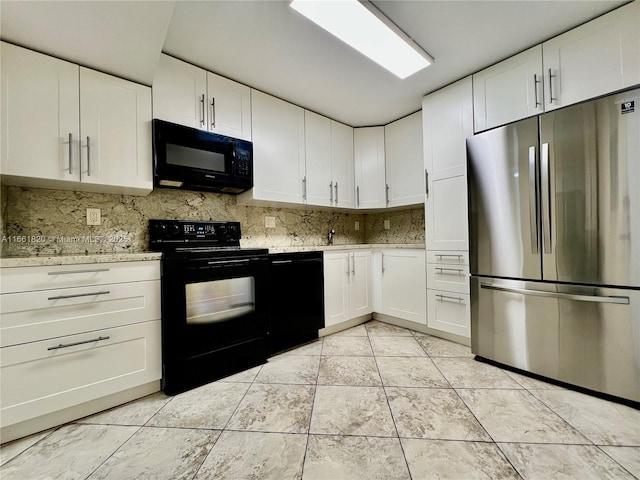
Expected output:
(533, 207)
(561, 296)
(545, 192)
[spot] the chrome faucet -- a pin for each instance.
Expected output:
(332, 232)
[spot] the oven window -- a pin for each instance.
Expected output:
(194, 158)
(219, 300)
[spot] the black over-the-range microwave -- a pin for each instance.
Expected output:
(192, 159)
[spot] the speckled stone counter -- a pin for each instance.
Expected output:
(78, 259)
(332, 248)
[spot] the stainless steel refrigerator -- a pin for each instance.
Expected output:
(554, 226)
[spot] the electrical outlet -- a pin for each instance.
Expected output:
(387, 224)
(357, 225)
(270, 222)
(93, 216)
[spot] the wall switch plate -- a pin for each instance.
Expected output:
(93, 216)
(357, 225)
(270, 222)
(387, 224)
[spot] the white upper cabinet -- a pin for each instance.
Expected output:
(115, 131)
(448, 122)
(404, 161)
(368, 147)
(594, 59)
(342, 165)
(317, 130)
(509, 90)
(70, 127)
(191, 96)
(278, 152)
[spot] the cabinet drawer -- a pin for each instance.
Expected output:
(449, 312)
(33, 316)
(451, 257)
(451, 278)
(24, 279)
(36, 380)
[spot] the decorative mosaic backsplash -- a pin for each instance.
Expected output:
(53, 222)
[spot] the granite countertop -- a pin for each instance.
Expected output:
(78, 259)
(8, 262)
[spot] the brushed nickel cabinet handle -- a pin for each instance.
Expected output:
(88, 156)
(444, 298)
(304, 187)
(535, 89)
(70, 153)
(358, 196)
(68, 272)
(202, 110)
(336, 187)
(387, 193)
(77, 295)
(67, 345)
(331, 192)
(426, 181)
(213, 112)
(551, 77)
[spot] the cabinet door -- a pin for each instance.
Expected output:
(317, 138)
(229, 105)
(39, 115)
(368, 147)
(180, 93)
(336, 288)
(597, 58)
(115, 131)
(448, 121)
(342, 165)
(404, 161)
(278, 150)
(509, 90)
(361, 302)
(403, 284)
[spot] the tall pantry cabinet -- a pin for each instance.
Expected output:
(447, 122)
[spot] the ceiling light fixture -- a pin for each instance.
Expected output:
(363, 27)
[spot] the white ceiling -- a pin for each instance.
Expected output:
(268, 46)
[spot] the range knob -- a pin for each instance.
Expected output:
(222, 229)
(172, 229)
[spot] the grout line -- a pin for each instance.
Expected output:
(313, 403)
(615, 461)
(114, 452)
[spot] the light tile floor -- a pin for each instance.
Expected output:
(373, 402)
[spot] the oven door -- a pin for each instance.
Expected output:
(215, 318)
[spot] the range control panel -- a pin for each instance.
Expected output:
(195, 233)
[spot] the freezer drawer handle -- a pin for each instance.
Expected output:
(562, 296)
(67, 345)
(444, 298)
(95, 270)
(64, 297)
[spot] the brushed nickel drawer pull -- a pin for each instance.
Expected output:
(458, 271)
(447, 297)
(67, 345)
(442, 255)
(64, 297)
(95, 270)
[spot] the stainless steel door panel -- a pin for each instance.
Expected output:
(585, 336)
(591, 209)
(503, 207)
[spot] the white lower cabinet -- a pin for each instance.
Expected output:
(347, 285)
(402, 284)
(449, 312)
(75, 334)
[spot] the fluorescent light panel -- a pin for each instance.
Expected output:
(363, 27)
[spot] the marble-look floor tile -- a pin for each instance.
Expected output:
(158, 454)
(410, 372)
(531, 383)
(137, 412)
(438, 347)
(396, 347)
(628, 457)
(246, 376)
(562, 462)
(357, 331)
(356, 346)
(71, 452)
(469, 373)
(517, 416)
(299, 370)
(433, 413)
(255, 455)
(437, 459)
(355, 371)
(12, 449)
(346, 458)
(312, 348)
(209, 406)
(601, 421)
(362, 411)
(274, 408)
(376, 328)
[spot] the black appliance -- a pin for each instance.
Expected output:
(297, 298)
(192, 159)
(215, 302)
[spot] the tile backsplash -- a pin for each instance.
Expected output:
(53, 222)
